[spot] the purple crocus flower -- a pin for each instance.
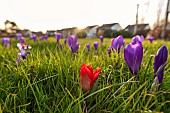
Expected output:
(19, 35)
(72, 40)
(6, 42)
(61, 46)
(151, 39)
(65, 41)
(88, 47)
(75, 48)
(22, 47)
(101, 38)
(117, 43)
(21, 38)
(96, 44)
(42, 38)
(133, 54)
(109, 51)
(45, 37)
(137, 38)
(159, 62)
(58, 36)
(72, 43)
(34, 37)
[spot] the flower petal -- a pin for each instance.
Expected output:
(129, 56)
(95, 75)
(160, 60)
(138, 49)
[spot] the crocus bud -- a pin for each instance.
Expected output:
(72, 40)
(88, 77)
(151, 39)
(65, 41)
(109, 51)
(137, 38)
(117, 43)
(34, 37)
(61, 46)
(133, 54)
(6, 42)
(45, 37)
(73, 43)
(101, 38)
(159, 62)
(88, 47)
(58, 36)
(96, 44)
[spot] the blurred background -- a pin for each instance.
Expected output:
(87, 18)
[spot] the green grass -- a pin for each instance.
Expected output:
(53, 84)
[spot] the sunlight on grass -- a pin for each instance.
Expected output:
(48, 81)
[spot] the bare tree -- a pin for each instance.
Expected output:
(159, 11)
(147, 7)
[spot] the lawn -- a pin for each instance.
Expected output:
(48, 81)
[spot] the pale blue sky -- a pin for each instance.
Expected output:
(57, 14)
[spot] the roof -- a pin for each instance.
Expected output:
(69, 28)
(89, 27)
(139, 26)
(51, 30)
(106, 26)
(109, 25)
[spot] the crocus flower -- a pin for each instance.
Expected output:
(109, 51)
(101, 38)
(21, 38)
(133, 54)
(96, 44)
(72, 40)
(58, 36)
(45, 37)
(137, 38)
(159, 62)
(151, 39)
(22, 47)
(117, 43)
(19, 35)
(75, 48)
(34, 37)
(61, 46)
(65, 41)
(88, 77)
(72, 43)
(88, 47)
(6, 42)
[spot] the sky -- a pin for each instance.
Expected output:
(42, 15)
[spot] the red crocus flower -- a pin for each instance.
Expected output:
(88, 76)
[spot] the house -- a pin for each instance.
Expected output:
(38, 34)
(3, 33)
(51, 32)
(140, 28)
(24, 32)
(112, 26)
(69, 31)
(91, 31)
